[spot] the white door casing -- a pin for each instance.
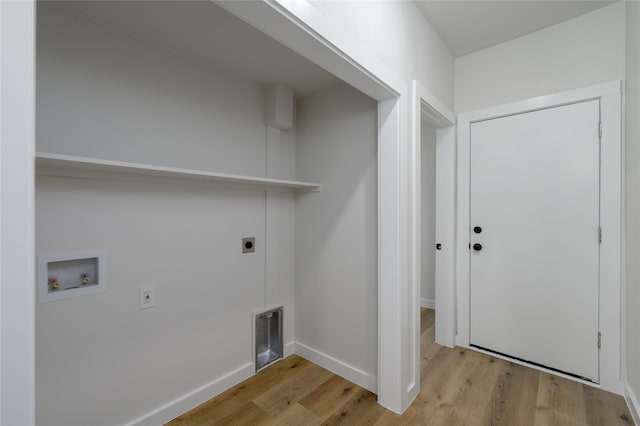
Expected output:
(534, 206)
(426, 106)
(17, 274)
(609, 95)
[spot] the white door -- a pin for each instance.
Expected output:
(534, 219)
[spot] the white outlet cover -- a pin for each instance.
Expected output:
(147, 297)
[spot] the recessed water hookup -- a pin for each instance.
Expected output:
(70, 274)
(248, 245)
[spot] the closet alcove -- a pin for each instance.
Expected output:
(153, 148)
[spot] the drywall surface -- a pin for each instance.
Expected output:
(100, 360)
(581, 52)
(336, 229)
(112, 360)
(397, 33)
(428, 214)
(632, 196)
(109, 96)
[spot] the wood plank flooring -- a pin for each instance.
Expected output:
(458, 387)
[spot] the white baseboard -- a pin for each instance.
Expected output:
(338, 367)
(289, 348)
(184, 403)
(633, 403)
(427, 303)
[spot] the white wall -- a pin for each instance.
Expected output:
(428, 215)
(336, 229)
(581, 52)
(397, 34)
(17, 144)
(131, 101)
(114, 361)
(106, 95)
(632, 199)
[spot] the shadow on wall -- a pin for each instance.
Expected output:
(336, 229)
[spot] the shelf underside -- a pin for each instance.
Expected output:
(73, 166)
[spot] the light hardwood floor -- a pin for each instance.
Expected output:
(458, 387)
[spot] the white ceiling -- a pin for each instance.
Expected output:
(467, 26)
(205, 31)
(208, 33)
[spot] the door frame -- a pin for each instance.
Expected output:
(426, 106)
(610, 95)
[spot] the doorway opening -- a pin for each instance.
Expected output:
(435, 156)
(428, 242)
(429, 245)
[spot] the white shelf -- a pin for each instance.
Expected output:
(70, 165)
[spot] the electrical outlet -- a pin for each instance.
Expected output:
(248, 245)
(147, 297)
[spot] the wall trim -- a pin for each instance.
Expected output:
(17, 222)
(426, 106)
(297, 25)
(186, 402)
(427, 303)
(190, 400)
(338, 367)
(632, 402)
(289, 349)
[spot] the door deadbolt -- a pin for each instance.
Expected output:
(477, 229)
(438, 246)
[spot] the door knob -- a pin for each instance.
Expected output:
(477, 246)
(438, 246)
(477, 229)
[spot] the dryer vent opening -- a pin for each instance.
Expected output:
(268, 337)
